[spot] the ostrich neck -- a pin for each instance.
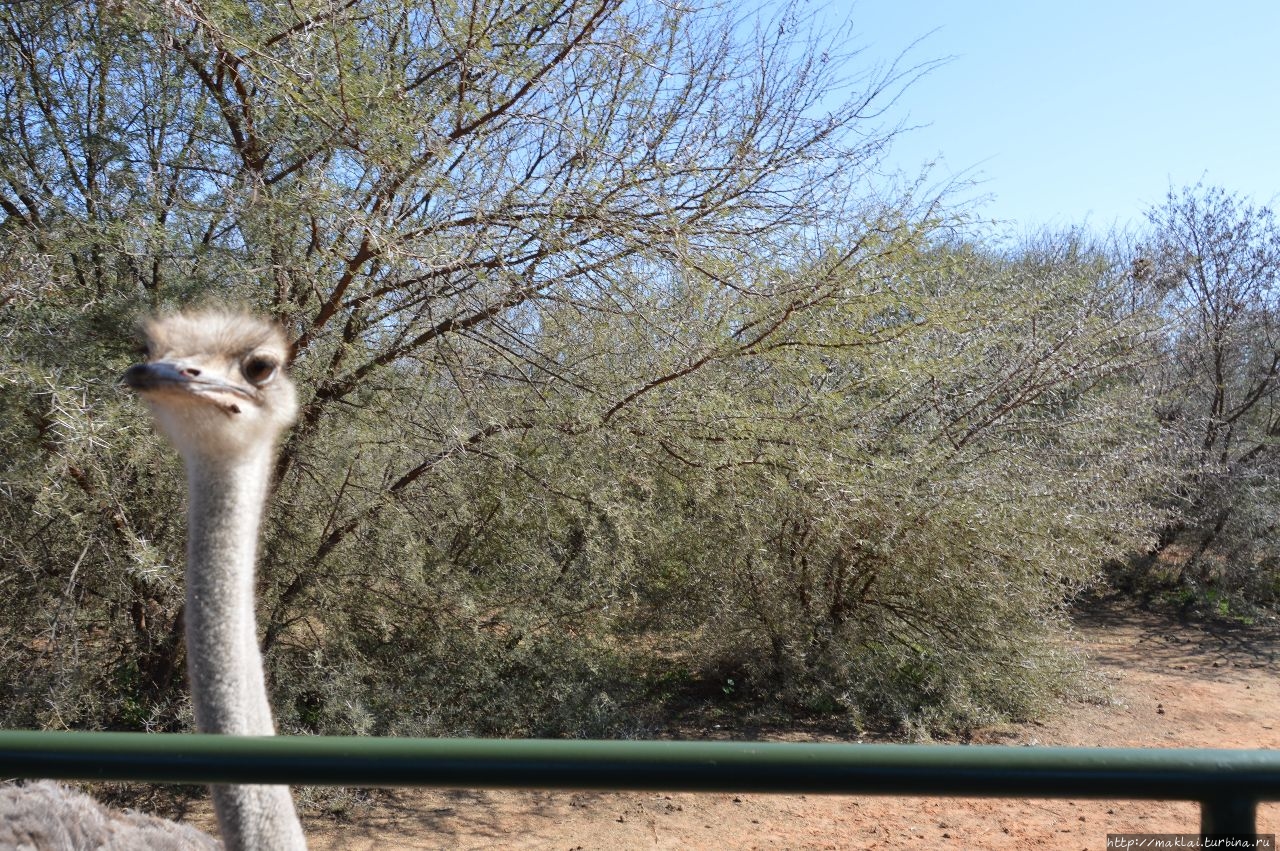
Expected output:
(228, 686)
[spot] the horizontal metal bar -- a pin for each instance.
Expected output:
(983, 771)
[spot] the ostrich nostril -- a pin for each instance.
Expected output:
(190, 372)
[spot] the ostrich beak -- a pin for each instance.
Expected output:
(176, 377)
(150, 376)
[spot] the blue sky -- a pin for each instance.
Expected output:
(1085, 112)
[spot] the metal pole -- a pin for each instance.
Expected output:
(1235, 815)
(1234, 776)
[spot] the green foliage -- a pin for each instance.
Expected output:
(620, 391)
(1212, 266)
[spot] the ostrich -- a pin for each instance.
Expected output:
(46, 816)
(216, 386)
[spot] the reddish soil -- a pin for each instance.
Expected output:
(1171, 685)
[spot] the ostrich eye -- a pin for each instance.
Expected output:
(259, 369)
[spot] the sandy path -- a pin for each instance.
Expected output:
(1173, 686)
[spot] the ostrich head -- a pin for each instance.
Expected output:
(215, 382)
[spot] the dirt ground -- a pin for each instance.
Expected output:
(1172, 685)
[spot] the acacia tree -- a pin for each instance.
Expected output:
(1213, 262)
(434, 198)
(602, 333)
(952, 464)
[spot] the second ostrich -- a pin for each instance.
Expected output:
(216, 384)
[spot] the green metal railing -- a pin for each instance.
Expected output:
(1228, 784)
